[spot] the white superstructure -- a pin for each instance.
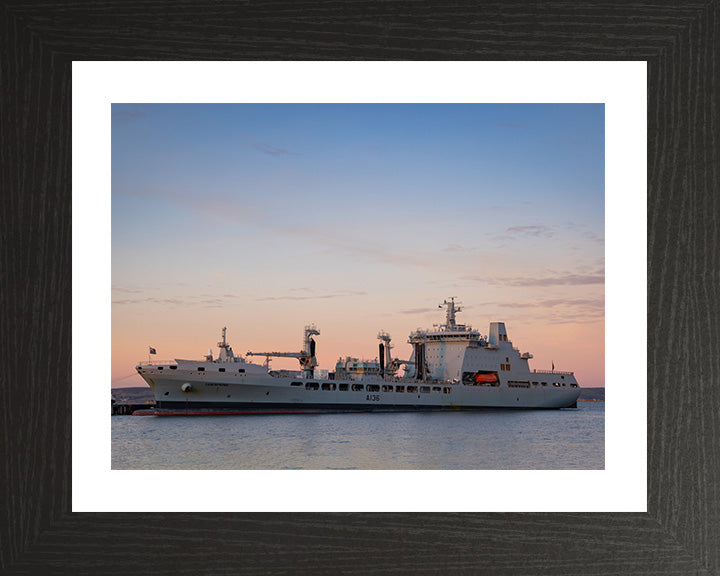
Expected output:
(451, 367)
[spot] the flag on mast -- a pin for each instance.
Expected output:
(152, 350)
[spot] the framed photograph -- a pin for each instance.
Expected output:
(646, 510)
(510, 208)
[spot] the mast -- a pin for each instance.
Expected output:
(450, 314)
(226, 353)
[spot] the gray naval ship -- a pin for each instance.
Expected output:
(451, 367)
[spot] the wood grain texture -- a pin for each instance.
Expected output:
(681, 532)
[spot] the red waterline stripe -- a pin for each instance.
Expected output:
(216, 412)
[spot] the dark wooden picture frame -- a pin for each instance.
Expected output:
(680, 533)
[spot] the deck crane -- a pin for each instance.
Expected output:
(306, 356)
(388, 364)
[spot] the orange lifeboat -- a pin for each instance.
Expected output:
(487, 378)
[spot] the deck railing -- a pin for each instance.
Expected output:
(159, 362)
(553, 372)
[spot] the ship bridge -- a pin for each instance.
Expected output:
(450, 331)
(438, 352)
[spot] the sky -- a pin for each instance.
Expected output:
(356, 217)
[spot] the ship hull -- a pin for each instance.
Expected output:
(200, 393)
(244, 409)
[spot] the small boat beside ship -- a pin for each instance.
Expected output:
(451, 367)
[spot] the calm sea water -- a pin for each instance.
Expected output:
(487, 440)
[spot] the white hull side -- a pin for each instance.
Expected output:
(231, 391)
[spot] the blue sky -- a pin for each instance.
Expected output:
(267, 217)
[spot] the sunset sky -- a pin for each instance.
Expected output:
(265, 218)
